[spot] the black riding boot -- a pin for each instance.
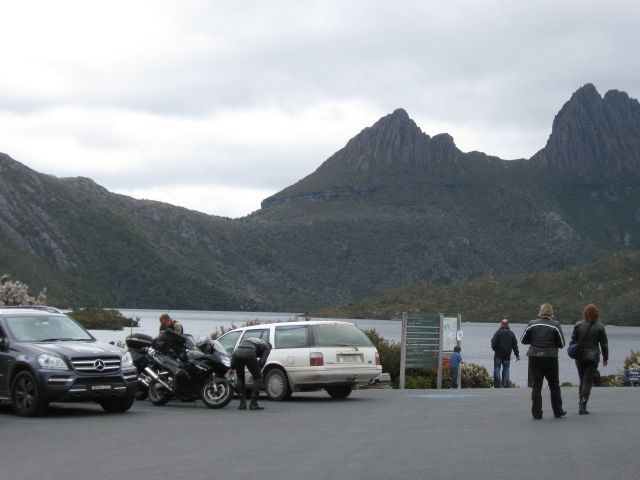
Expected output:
(582, 406)
(243, 398)
(254, 399)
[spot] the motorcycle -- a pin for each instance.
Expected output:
(188, 371)
(137, 345)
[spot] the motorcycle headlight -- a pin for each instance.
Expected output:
(226, 361)
(51, 362)
(126, 360)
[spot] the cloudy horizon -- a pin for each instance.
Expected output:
(215, 106)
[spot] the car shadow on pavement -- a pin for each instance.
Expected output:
(61, 411)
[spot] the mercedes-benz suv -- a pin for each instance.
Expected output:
(47, 357)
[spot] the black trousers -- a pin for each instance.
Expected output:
(541, 368)
(240, 360)
(586, 372)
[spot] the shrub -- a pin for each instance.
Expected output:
(475, 376)
(632, 362)
(389, 355)
(14, 292)
(102, 319)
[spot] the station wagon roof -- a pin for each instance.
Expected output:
(285, 323)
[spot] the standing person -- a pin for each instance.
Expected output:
(592, 338)
(454, 365)
(502, 343)
(545, 337)
(168, 323)
(251, 353)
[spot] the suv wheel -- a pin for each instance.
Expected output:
(277, 385)
(118, 405)
(25, 395)
(339, 392)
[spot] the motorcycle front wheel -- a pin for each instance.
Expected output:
(216, 394)
(158, 395)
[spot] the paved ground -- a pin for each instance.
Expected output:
(381, 434)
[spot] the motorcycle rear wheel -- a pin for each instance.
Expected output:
(216, 395)
(158, 395)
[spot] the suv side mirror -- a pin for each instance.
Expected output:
(3, 343)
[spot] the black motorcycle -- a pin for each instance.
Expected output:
(137, 345)
(188, 371)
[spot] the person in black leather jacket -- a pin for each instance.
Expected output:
(545, 337)
(592, 338)
(251, 353)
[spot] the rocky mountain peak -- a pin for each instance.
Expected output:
(594, 135)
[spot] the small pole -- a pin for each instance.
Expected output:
(439, 384)
(459, 343)
(403, 350)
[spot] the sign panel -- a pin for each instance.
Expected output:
(422, 340)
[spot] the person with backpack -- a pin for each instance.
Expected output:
(591, 338)
(503, 343)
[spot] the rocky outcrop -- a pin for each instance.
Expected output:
(594, 136)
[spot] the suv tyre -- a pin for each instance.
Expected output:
(118, 405)
(26, 397)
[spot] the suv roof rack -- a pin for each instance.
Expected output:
(44, 308)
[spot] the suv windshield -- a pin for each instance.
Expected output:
(43, 328)
(341, 335)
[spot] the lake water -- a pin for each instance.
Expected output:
(475, 344)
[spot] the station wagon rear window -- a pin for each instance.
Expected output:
(294, 336)
(341, 335)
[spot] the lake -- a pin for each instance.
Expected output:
(475, 344)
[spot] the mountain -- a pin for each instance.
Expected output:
(594, 136)
(613, 284)
(394, 207)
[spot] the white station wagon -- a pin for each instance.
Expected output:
(312, 355)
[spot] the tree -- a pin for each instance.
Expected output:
(14, 292)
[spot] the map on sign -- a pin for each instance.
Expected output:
(449, 332)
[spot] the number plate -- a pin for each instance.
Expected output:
(99, 387)
(350, 358)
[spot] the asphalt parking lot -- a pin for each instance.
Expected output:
(377, 434)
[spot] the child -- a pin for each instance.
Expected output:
(456, 360)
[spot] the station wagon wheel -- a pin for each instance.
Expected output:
(277, 385)
(338, 392)
(25, 395)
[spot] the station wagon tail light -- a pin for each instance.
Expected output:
(377, 358)
(316, 359)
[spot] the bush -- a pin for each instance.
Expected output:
(389, 355)
(632, 362)
(475, 376)
(102, 319)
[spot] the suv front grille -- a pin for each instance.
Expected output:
(96, 365)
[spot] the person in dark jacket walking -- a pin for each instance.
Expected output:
(251, 353)
(592, 338)
(503, 342)
(544, 337)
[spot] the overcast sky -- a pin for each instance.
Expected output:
(215, 105)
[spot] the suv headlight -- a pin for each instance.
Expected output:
(51, 362)
(126, 360)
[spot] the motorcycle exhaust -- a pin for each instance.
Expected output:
(155, 376)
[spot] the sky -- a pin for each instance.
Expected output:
(216, 105)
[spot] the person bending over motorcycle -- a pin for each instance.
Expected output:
(251, 353)
(168, 323)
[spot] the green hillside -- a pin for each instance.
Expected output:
(613, 284)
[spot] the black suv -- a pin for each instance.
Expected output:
(45, 357)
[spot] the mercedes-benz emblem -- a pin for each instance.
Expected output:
(99, 365)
